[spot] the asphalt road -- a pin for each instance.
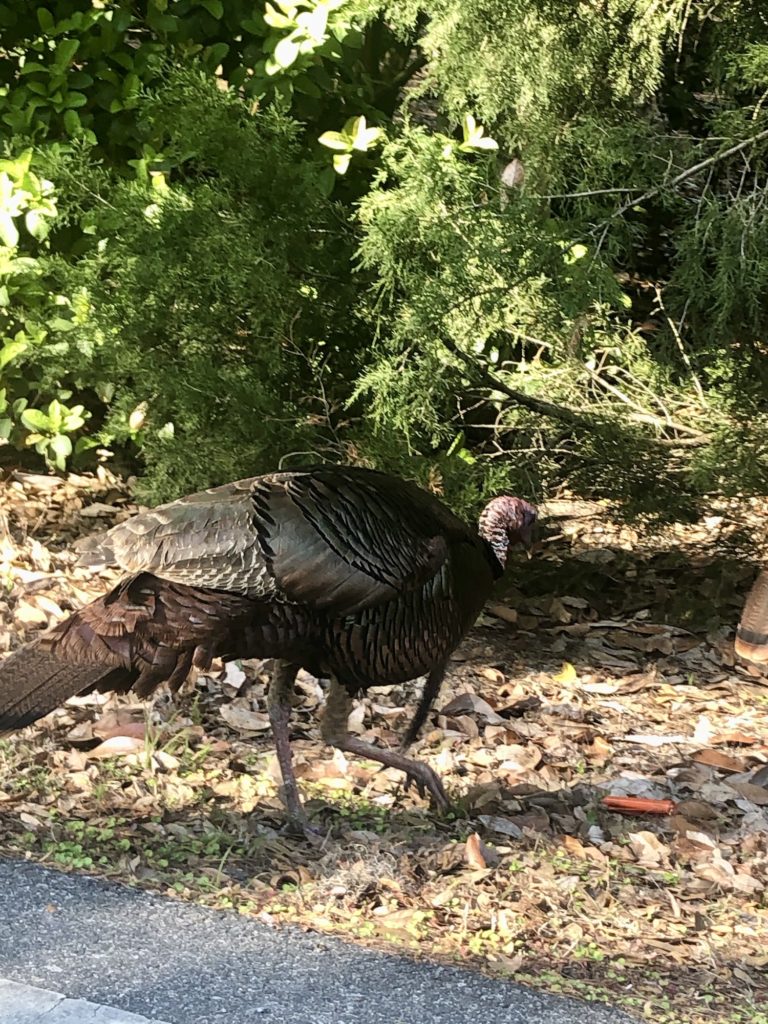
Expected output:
(170, 961)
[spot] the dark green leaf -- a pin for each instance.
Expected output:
(214, 7)
(45, 20)
(66, 51)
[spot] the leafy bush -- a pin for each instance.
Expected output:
(76, 70)
(393, 233)
(208, 294)
(594, 312)
(31, 320)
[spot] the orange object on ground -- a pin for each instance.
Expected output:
(638, 805)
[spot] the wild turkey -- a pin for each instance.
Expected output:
(752, 631)
(354, 575)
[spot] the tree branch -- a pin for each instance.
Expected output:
(482, 375)
(689, 172)
(644, 416)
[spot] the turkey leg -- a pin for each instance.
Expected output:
(334, 729)
(279, 708)
(431, 689)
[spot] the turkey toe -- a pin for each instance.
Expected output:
(427, 781)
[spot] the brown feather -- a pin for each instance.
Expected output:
(143, 633)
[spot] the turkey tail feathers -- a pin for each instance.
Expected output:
(143, 633)
(34, 681)
(752, 632)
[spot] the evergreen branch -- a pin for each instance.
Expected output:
(404, 77)
(483, 375)
(695, 437)
(642, 415)
(675, 330)
(589, 192)
(689, 172)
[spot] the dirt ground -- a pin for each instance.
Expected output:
(604, 667)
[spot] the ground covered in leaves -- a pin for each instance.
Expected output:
(605, 668)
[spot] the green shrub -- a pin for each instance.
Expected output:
(209, 295)
(494, 243)
(33, 322)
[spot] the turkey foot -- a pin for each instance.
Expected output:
(334, 728)
(426, 781)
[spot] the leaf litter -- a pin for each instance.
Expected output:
(604, 669)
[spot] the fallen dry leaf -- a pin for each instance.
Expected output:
(503, 826)
(574, 846)
(697, 809)
(29, 614)
(756, 794)
(116, 746)
(473, 852)
(599, 751)
(567, 674)
(648, 849)
(502, 611)
(736, 737)
(121, 722)
(243, 718)
(718, 759)
(471, 703)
